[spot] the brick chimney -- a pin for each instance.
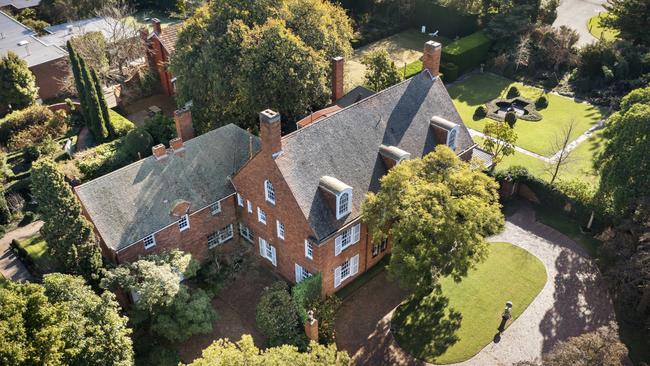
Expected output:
(155, 22)
(337, 78)
(183, 121)
(431, 57)
(177, 144)
(159, 151)
(311, 327)
(271, 133)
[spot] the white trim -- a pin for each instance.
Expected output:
(240, 200)
(221, 236)
(185, 218)
(269, 192)
(344, 193)
(309, 249)
(261, 215)
(153, 241)
(301, 273)
(268, 251)
(352, 269)
(279, 227)
(216, 211)
(249, 236)
(249, 206)
(347, 238)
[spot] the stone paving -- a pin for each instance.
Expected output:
(574, 300)
(10, 266)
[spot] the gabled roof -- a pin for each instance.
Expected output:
(169, 37)
(346, 145)
(137, 200)
(23, 41)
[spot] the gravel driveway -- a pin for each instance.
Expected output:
(575, 14)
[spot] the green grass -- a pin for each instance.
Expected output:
(138, 18)
(598, 30)
(568, 227)
(455, 326)
(467, 43)
(411, 69)
(533, 136)
(36, 248)
(366, 276)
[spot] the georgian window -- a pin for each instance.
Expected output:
(220, 237)
(249, 206)
(261, 216)
(215, 208)
(380, 247)
(240, 200)
(348, 237)
(301, 273)
(184, 223)
(343, 203)
(149, 242)
(245, 232)
(269, 192)
(268, 251)
(280, 229)
(309, 249)
(346, 270)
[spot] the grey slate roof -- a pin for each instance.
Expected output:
(59, 34)
(346, 145)
(19, 4)
(35, 52)
(135, 201)
(353, 96)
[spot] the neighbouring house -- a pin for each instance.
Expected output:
(59, 34)
(46, 61)
(160, 45)
(20, 4)
(296, 198)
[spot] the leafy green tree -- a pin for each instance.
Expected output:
(500, 140)
(69, 235)
(380, 70)
(624, 163)
(17, 83)
(437, 211)
(630, 18)
(277, 317)
(161, 128)
(58, 11)
(137, 143)
(163, 305)
(231, 36)
(62, 322)
(244, 353)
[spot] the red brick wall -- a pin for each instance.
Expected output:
(48, 78)
(160, 59)
(193, 240)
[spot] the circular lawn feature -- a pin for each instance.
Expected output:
(456, 324)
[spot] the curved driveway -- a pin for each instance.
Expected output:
(576, 13)
(574, 300)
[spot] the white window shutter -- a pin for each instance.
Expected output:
(337, 245)
(337, 276)
(262, 248)
(273, 257)
(298, 271)
(354, 265)
(356, 233)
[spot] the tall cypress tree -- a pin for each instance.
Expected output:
(96, 124)
(102, 104)
(79, 81)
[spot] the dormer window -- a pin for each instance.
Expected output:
(392, 155)
(343, 205)
(338, 195)
(445, 131)
(269, 192)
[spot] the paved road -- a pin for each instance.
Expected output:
(574, 300)
(10, 266)
(575, 14)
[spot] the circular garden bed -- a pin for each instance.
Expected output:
(523, 108)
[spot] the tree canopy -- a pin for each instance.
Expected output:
(380, 70)
(244, 353)
(500, 140)
(17, 83)
(437, 211)
(630, 18)
(277, 317)
(624, 162)
(62, 322)
(252, 55)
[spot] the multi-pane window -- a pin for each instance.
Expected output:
(240, 200)
(215, 208)
(344, 204)
(280, 229)
(245, 232)
(249, 206)
(381, 247)
(301, 273)
(149, 242)
(268, 251)
(184, 223)
(261, 215)
(309, 249)
(346, 270)
(347, 238)
(269, 192)
(220, 237)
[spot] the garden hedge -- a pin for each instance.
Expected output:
(449, 72)
(468, 52)
(121, 125)
(449, 22)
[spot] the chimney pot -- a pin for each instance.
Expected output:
(157, 28)
(159, 151)
(176, 144)
(271, 132)
(337, 78)
(183, 122)
(431, 57)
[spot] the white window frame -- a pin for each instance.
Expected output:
(269, 192)
(280, 229)
(240, 200)
(309, 249)
(215, 208)
(249, 206)
(301, 273)
(340, 213)
(261, 215)
(219, 237)
(152, 241)
(347, 238)
(184, 222)
(347, 269)
(268, 251)
(246, 233)
(452, 136)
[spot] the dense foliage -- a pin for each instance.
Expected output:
(69, 235)
(244, 353)
(500, 139)
(306, 294)
(278, 319)
(161, 128)
(289, 42)
(137, 143)
(467, 52)
(381, 71)
(58, 11)
(630, 18)
(17, 84)
(31, 126)
(62, 322)
(429, 206)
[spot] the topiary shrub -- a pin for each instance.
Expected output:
(480, 112)
(137, 143)
(120, 124)
(510, 119)
(513, 92)
(306, 294)
(277, 317)
(541, 102)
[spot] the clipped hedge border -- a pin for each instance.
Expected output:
(532, 116)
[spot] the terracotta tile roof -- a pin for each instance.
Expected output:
(169, 37)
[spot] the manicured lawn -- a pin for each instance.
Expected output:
(533, 136)
(598, 30)
(456, 325)
(139, 17)
(36, 248)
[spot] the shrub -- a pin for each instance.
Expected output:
(306, 294)
(449, 71)
(55, 126)
(101, 159)
(161, 128)
(5, 214)
(137, 143)
(541, 102)
(31, 154)
(23, 119)
(325, 311)
(511, 119)
(277, 317)
(480, 112)
(468, 52)
(27, 219)
(513, 92)
(121, 125)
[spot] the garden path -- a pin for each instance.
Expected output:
(10, 266)
(575, 14)
(574, 300)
